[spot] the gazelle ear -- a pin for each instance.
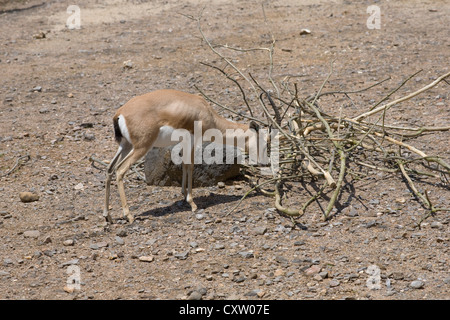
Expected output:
(253, 125)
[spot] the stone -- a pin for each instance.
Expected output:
(28, 196)
(305, 32)
(436, 225)
(181, 255)
(146, 258)
(98, 245)
(119, 240)
(279, 272)
(70, 262)
(128, 64)
(313, 270)
(195, 296)
(68, 242)
(417, 284)
(260, 230)
(161, 171)
(246, 254)
(334, 283)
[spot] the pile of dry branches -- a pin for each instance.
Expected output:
(322, 147)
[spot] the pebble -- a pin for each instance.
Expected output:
(68, 242)
(221, 184)
(436, 225)
(70, 262)
(146, 258)
(195, 296)
(119, 240)
(279, 272)
(246, 254)
(193, 244)
(260, 230)
(28, 196)
(334, 283)
(417, 284)
(31, 234)
(181, 255)
(128, 64)
(79, 186)
(252, 293)
(199, 216)
(305, 32)
(313, 270)
(351, 212)
(98, 245)
(89, 136)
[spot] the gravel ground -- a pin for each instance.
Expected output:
(59, 89)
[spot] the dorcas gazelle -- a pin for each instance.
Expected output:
(149, 120)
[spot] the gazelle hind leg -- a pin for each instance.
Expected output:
(122, 169)
(121, 153)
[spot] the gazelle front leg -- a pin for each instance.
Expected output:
(183, 181)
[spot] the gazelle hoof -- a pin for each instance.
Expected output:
(108, 218)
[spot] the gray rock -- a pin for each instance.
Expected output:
(98, 245)
(89, 136)
(7, 262)
(417, 284)
(161, 171)
(351, 212)
(246, 254)
(70, 262)
(260, 230)
(193, 244)
(199, 216)
(195, 296)
(181, 255)
(68, 242)
(334, 283)
(119, 240)
(436, 225)
(32, 234)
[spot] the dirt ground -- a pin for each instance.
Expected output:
(59, 89)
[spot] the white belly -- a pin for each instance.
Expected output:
(164, 137)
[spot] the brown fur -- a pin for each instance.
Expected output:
(144, 115)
